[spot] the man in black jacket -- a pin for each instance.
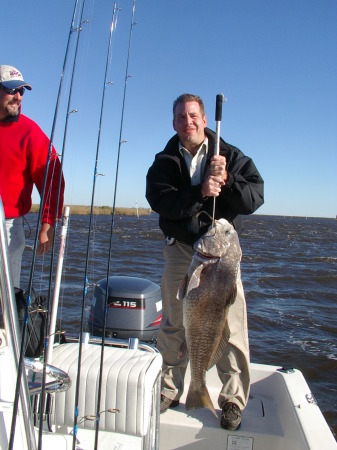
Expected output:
(181, 186)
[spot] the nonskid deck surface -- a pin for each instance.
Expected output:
(269, 421)
(200, 429)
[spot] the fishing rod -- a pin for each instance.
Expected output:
(78, 31)
(112, 224)
(113, 22)
(42, 395)
(220, 99)
(75, 426)
(30, 283)
(112, 28)
(123, 108)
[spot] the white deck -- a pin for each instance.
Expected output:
(271, 420)
(280, 415)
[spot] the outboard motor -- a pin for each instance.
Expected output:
(134, 309)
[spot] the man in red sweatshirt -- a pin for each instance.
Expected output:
(24, 150)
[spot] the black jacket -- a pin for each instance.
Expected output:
(170, 193)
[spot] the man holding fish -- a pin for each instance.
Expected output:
(204, 309)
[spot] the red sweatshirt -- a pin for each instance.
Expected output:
(23, 156)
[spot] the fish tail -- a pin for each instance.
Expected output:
(199, 399)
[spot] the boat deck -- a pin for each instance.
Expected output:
(281, 414)
(271, 420)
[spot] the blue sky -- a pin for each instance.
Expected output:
(275, 61)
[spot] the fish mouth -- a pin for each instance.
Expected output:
(207, 256)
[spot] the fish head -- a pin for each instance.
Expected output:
(217, 241)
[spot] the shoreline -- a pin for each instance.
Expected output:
(124, 211)
(101, 210)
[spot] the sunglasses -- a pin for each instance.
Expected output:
(9, 91)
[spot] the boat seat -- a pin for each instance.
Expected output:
(130, 385)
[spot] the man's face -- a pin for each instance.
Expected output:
(189, 123)
(9, 104)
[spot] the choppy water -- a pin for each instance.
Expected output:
(289, 271)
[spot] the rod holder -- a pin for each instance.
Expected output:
(133, 343)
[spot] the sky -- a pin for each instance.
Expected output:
(275, 62)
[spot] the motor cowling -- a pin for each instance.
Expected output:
(134, 308)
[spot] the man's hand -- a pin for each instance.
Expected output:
(211, 187)
(45, 238)
(218, 167)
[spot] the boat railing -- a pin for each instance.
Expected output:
(132, 343)
(11, 326)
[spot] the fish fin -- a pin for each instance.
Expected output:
(194, 280)
(182, 288)
(221, 346)
(199, 399)
(183, 351)
(189, 282)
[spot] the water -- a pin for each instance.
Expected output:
(289, 271)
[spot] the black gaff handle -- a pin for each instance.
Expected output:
(218, 107)
(218, 115)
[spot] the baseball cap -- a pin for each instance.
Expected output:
(11, 78)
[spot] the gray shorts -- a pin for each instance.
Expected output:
(16, 245)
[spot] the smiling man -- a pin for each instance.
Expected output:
(189, 121)
(181, 185)
(23, 156)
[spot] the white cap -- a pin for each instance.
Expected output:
(11, 78)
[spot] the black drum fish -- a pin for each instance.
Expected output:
(207, 291)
